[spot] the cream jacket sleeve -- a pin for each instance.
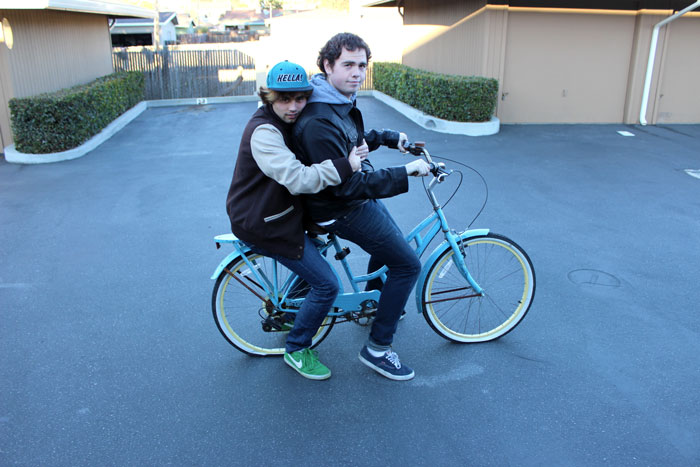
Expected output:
(279, 163)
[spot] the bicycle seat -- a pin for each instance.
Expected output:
(226, 238)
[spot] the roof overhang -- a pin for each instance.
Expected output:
(584, 4)
(80, 6)
(140, 22)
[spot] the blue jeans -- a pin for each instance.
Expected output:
(372, 228)
(324, 288)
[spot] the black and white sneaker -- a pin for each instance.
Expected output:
(387, 364)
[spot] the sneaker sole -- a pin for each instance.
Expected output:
(305, 375)
(373, 315)
(385, 373)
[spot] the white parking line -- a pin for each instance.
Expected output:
(693, 172)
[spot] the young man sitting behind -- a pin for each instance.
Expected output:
(266, 213)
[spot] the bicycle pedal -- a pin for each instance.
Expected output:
(276, 324)
(363, 320)
(342, 254)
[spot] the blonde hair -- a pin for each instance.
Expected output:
(268, 96)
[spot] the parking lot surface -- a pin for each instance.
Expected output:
(109, 354)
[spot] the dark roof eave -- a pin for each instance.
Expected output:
(380, 3)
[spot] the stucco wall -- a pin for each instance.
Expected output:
(570, 67)
(564, 66)
(439, 12)
(457, 50)
(678, 99)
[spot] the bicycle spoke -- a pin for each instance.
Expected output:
(249, 316)
(500, 269)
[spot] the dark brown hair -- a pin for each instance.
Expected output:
(335, 45)
(268, 96)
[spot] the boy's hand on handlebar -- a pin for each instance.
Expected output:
(354, 159)
(403, 142)
(418, 168)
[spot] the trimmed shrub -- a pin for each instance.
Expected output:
(449, 97)
(65, 119)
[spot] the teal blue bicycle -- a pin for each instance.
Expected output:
(476, 286)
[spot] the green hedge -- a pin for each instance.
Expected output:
(449, 97)
(67, 118)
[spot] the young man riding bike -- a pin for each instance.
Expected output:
(330, 126)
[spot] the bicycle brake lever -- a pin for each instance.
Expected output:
(439, 172)
(414, 148)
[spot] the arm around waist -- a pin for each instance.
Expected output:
(278, 162)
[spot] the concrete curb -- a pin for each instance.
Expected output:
(437, 124)
(426, 121)
(16, 157)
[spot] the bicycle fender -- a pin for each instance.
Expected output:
(231, 256)
(434, 256)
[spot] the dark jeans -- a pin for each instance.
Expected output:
(372, 228)
(324, 288)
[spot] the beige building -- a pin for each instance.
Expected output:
(564, 61)
(48, 45)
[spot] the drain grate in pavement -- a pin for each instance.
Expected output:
(593, 278)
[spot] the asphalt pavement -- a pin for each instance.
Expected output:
(109, 354)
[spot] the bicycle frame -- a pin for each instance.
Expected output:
(356, 300)
(454, 304)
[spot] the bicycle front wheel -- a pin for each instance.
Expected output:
(504, 272)
(245, 313)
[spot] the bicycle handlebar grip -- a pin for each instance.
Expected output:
(438, 172)
(419, 144)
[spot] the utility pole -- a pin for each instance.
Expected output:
(156, 28)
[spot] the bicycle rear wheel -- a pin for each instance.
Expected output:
(505, 273)
(244, 312)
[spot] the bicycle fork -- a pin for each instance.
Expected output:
(458, 259)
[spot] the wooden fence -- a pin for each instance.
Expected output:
(177, 74)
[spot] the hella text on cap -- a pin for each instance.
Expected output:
(285, 77)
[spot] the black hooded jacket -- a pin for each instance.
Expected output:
(328, 130)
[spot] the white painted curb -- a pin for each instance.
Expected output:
(437, 124)
(14, 156)
(422, 119)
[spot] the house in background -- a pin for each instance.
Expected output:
(185, 25)
(563, 61)
(128, 32)
(49, 45)
(248, 24)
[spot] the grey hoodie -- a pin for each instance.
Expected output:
(324, 92)
(329, 127)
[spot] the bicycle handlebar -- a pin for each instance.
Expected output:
(437, 169)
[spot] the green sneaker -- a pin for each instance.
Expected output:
(306, 363)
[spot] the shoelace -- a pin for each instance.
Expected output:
(310, 357)
(393, 358)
